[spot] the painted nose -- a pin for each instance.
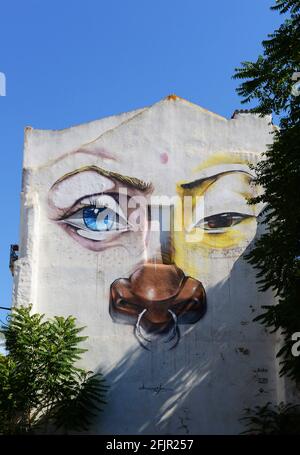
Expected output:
(157, 296)
(156, 282)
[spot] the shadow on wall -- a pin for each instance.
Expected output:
(222, 364)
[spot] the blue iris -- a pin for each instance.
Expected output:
(98, 219)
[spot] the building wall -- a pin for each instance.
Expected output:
(168, 312)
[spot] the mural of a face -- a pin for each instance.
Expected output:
(137, 225)
(156, 297)
(101, 209)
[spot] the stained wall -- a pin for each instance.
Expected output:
(168, 311)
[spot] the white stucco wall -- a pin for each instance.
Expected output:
(224, 362)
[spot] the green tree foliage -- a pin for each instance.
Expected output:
(268, 81)
(280, 420)
(41, 388)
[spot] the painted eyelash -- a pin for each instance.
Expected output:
(93, 199)
(90, 200)
(236, 218)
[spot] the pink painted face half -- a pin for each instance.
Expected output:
(110, 209)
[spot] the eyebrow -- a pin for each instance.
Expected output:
(198, 182)
(224, 158)
(129, 181)
(99, 152)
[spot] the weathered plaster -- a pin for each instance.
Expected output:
(224, 362)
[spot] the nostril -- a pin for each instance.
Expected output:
(128, 305)
(190, 311)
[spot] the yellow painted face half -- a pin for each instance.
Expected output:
(212, 214)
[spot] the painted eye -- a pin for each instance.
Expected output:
(97, 220)
(220, 222)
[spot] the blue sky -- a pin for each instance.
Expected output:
(71, 61)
